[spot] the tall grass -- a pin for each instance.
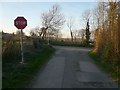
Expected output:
(19, 75)
(106, 66)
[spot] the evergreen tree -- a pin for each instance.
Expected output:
(87, 33)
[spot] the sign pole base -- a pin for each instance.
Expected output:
(22, 63)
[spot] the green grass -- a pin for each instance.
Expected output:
(106, 67)
(24, 74)
(25, 42)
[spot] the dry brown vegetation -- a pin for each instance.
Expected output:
(107, 33)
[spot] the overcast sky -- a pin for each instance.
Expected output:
(32, 12)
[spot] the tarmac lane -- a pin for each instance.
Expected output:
(71, 67)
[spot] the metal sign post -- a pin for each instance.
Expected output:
(48, 38)
(21, 39)
(21, 23)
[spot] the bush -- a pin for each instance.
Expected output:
(10, 50)
(18, 75)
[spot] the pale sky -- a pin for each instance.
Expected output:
(32, 12)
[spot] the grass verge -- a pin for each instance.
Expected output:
(21, 77)
(106, 67)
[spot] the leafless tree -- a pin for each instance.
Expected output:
(34, 31)
(52, 20)
(107, 33)
(70, 26)
(82, 35)
(86, 15)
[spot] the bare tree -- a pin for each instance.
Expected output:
(82, 35)
(86, 15)
(70, 26)
(35, 35)
(52, 20)
(107, 33)
(34, 31)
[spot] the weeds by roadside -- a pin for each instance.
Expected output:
(16, 75)
(105, 66)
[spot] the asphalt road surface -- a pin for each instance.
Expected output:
(71, 67)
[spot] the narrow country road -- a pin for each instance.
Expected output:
(70, 67)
